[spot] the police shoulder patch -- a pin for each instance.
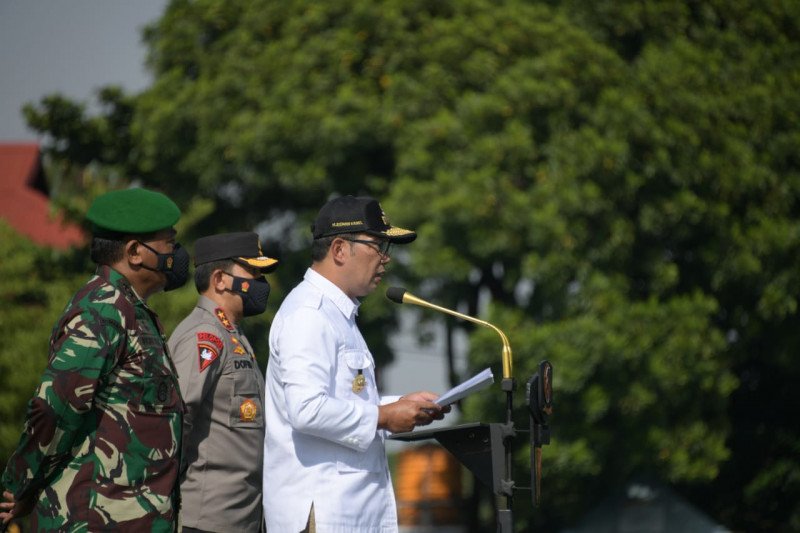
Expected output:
(209, 347)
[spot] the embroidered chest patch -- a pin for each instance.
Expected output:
(238, 350)
(248, 410)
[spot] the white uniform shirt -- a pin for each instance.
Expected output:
(321, 444)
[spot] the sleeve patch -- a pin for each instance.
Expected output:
(209, 347)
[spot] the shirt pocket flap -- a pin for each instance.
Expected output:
(357, 359)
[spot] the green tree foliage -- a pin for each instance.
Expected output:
(35, 285)
(615, 184)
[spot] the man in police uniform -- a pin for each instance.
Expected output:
(102, 440)
(223, 387)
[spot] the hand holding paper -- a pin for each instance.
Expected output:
(475, 383)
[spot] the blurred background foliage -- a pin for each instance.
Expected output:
(614, 183)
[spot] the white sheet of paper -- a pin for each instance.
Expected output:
(477, 382)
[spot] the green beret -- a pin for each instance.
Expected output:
(132, 211)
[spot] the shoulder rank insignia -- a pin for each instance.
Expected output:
(209, 347)
(223, 318)
(248, 410)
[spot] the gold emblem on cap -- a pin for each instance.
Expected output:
(248, 410)
(169, 262)
(359, 382)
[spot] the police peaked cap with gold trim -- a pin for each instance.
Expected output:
(132, 212)
(362, 214)
(242, 246)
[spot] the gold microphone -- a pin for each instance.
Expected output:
(402, 296)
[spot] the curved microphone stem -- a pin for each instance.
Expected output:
(504, 506)
(505, 497)
(407, 297)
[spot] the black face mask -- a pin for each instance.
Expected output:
(254, 293)
(174, 266)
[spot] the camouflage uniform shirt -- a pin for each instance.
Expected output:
(102, 439)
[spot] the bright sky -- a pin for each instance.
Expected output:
(68, 46)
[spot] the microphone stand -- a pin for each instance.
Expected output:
(505, 492)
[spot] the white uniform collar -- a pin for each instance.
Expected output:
(348, 306)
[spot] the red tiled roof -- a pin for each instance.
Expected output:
(26, 208)
(19, 163)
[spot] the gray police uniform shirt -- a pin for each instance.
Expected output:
(223, 429)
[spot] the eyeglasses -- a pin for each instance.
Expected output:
(382, 247)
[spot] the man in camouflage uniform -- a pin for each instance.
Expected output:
(223, 387)
(102, 439)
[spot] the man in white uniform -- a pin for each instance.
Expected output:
(325, 465)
